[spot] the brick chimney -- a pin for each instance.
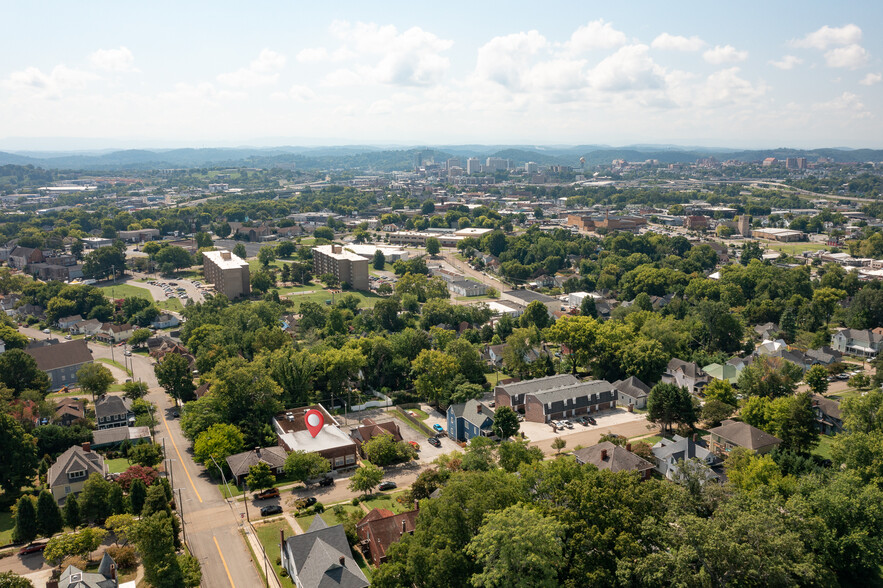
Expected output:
(343, 561)
(695, 437)
(113, 571)
(87, 447)
(478, 408)
(603, 455)
(404, 530)
(628, 446)
(257, 451)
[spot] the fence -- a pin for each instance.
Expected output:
(384, 402)
(418, 424)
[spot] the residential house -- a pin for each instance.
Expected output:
(330, 442)
(165, 321)
(828, 418)
(470, 419)
(241, 463)
(513, 395)
(56, 272)
(70, 471)
(61, 361)
(380, 528)
(113, 437)
(370, 429)
(88, 327)
(727, 371)
(22, 257)
(767, 331)
(862, 343)
(569, 401)
(104, 577)
(686, 374)
(111, 333)
(69, 410)
(632, 392)
(669, 453)
(823, 355)
(732, 434)
(609, 456)
(113, 411)
(68, 321)
(321, 558)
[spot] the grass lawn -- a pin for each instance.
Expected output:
(173, 304)
(6, 526)
(824, 448)
(74, 394)
(385, 500)
(476, 298)
(268, 535)
(127, 291)
(328, 516)
(407, 423)
(114, 363)
(307, 288)
(848, 393)
(650, 440)
(117, 466)
(495, 377)
(366, 299)
(419, 413)
(230, 488)
(794, 248)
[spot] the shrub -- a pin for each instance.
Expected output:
(319, 508)
(278, 561)
(124, 556)
(283, 572)
(74, 560)
(356, 501)
(146, 474)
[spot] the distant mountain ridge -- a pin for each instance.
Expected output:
(379, 159)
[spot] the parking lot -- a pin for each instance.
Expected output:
(427, 453)
(605, 419)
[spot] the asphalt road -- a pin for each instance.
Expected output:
(211, 524)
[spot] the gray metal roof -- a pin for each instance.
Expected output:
(580, 389)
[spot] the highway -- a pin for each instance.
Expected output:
(211, 524)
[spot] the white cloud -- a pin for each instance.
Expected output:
(262, 71)
(787, 62)
(630, 68)
(384, 55)
(677, 43)
(312, 55)
(725, 87)
(871, 78)
(849, 57)
(846, 103)
(33, 81)
(724, 54)
(827, 36)
(504, 59)
(116, 60)
(596, 34)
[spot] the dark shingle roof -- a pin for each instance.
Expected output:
(109, 405)
(52, 357)
(539, 384)
(470, 412)
(75, 459)
(633, 387)
(616, 459)
(317, 554)
(241, 462)
(744, 435)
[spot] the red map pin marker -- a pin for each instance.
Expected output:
(314, 420)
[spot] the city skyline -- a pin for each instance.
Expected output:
(758, 77)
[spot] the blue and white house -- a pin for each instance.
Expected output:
(470, 419)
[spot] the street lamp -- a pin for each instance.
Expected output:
(223, 477)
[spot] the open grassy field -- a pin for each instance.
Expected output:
(824, 448)
(130, 291)
(114, 363)
(268, 535)
(794, 248)
(387, 501)
(366, 299)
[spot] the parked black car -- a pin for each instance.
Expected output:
(388, 485)
(434, 441)
(271, 510)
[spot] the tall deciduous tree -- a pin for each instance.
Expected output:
(505, 422)
(95, 379)
(817, 379)
(518, 547)
(19, 372)
(260, 476)
(18, 459)
(219, 441)
(366, 478)
(303, 466)
(173, 373)
(434, 372)
(669, 404)
(578, 334)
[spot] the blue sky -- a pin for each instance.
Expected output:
(752, 74)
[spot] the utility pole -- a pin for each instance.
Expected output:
(181, 514)
(248, 518)
(222, 477)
